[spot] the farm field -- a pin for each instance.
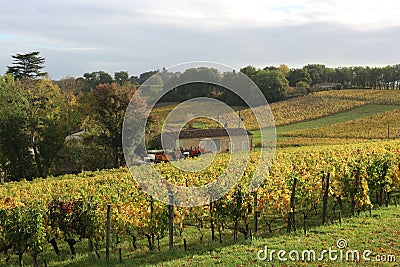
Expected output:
(356, 113)
(314, 106)
(73, 207)
(378, 126)
(336, 138)
(326, 103)
(363, 232)
(356, 125)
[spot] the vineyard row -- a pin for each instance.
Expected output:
(74, 207)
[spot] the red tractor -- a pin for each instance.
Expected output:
(163, 156)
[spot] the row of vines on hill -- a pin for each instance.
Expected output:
(384, 125)
(73, 208)
(305, 108)
(321, 104)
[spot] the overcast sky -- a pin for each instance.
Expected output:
(78, 36)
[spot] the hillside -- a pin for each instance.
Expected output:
(378, 126)
(234, 228)
(322, 104)
(309, 107)
(328, 117)
(73, 207)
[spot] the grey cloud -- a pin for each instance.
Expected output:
(78, 38)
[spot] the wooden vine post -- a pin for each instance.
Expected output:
(108, 230)
(255, 212)
(171, 219)
(325, 197)
(305, 223)
(291, 220)
(212, 220)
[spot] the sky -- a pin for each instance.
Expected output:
(78, 36)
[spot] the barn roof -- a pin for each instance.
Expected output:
(214, 132)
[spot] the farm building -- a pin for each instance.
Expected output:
(326, 86)
(216, 140)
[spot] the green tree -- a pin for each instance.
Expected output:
(343, 75)
(186, 89)
(249, 71)
(72, 85)
(97, 77)
(233, 80)
(38, 118)
(388, 77)
(272, 84)
(317, 73)
(121, 77)
(299, 75)
(285, 69)
(146, 75)
(27, 65)
(50, 118)
(34, 122)
(359, 77)
(108, 103)
(15, 156)
(303, 85)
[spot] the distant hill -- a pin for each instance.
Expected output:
(351, 113)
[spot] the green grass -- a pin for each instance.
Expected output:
(378, 233)
(350, 115)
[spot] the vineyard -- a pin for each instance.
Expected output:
(347, 116)
(321, 104)
(378, 126)
(314, 141)
(320, 183)
(305, 108)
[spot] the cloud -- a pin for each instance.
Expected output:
(80, 36)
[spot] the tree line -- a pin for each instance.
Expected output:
(50, 127)
(53, 127)
(276, 83)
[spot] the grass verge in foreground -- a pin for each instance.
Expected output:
(379, 233)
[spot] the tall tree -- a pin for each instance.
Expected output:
(121, 77)
(317, 73)
(50, 119)
(72, 85)
(34, 122)
(189, 89)
(109, 102)
(343, 75)
(97, 77)
(146, 75)
(299, 75)
(27, 65)
(249, 71)
(272, 83)
(360, 77)
(40, 111)
(285, 69)
(15, 156)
